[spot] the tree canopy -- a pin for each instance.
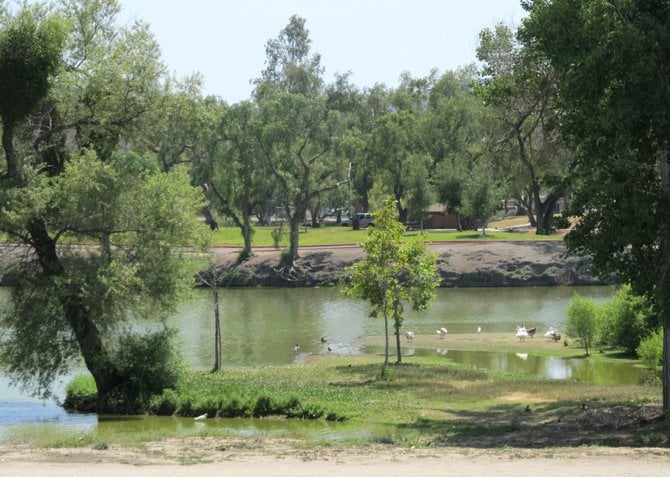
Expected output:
(612, 64)
(84, 97)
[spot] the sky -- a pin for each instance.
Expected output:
(374, 40)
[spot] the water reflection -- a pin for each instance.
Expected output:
(549, 367)
(261, 326)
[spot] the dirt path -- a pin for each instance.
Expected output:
(198, 457)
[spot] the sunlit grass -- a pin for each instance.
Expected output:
(334, 235)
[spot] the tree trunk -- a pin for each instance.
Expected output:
(78, 317)
(217, 326)
(545, 214)
(10, 152)
(246, 235)
(386, 335)
(397, 342)
(666, 370)
(663, 286)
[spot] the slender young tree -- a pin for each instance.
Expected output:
(395, 271)
(582, 321)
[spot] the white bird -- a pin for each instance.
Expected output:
(521, 333)
(296, 348)
(409, 335)
(552, 334)
(442, 332)
(201, 417)
(479, 329)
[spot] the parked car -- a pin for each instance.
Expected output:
(364, 219)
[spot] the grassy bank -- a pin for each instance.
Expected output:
(337, 235)
(426, 403)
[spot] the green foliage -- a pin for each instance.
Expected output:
(626, 320)
(135, 217)
(582, 320)
(613, 61)
(519, 88)
(650, 350)
(147, 364)
(80, 393)
(479, 199)
(393, 272)
(30, 49)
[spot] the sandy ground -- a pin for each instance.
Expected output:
(198, 457)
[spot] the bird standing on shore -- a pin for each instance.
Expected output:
(296, 348)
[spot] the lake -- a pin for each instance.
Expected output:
(261, 327)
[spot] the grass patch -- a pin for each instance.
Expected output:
(334, 235)
(424, 403)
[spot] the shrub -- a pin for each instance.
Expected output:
(263, 407)
(650, 350)
(147, 364)
(626, 320)
(561, 221)
(582, 320)
(81, 393)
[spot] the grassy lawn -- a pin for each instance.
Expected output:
(337, 235)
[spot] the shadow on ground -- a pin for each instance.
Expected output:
(549, 425)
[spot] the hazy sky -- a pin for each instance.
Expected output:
(376, 40)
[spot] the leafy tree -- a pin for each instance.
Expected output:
(394, 271)
(234, 169)
(582, 320)
(650, 350)
(520, 87)
(296, 131)
(395, 141)
(420, 193)
(479, 200)
(457, 132)
(613, 60)
(290, 68)
(77, 181)
(30, 50)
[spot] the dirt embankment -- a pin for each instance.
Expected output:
(461, 264)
